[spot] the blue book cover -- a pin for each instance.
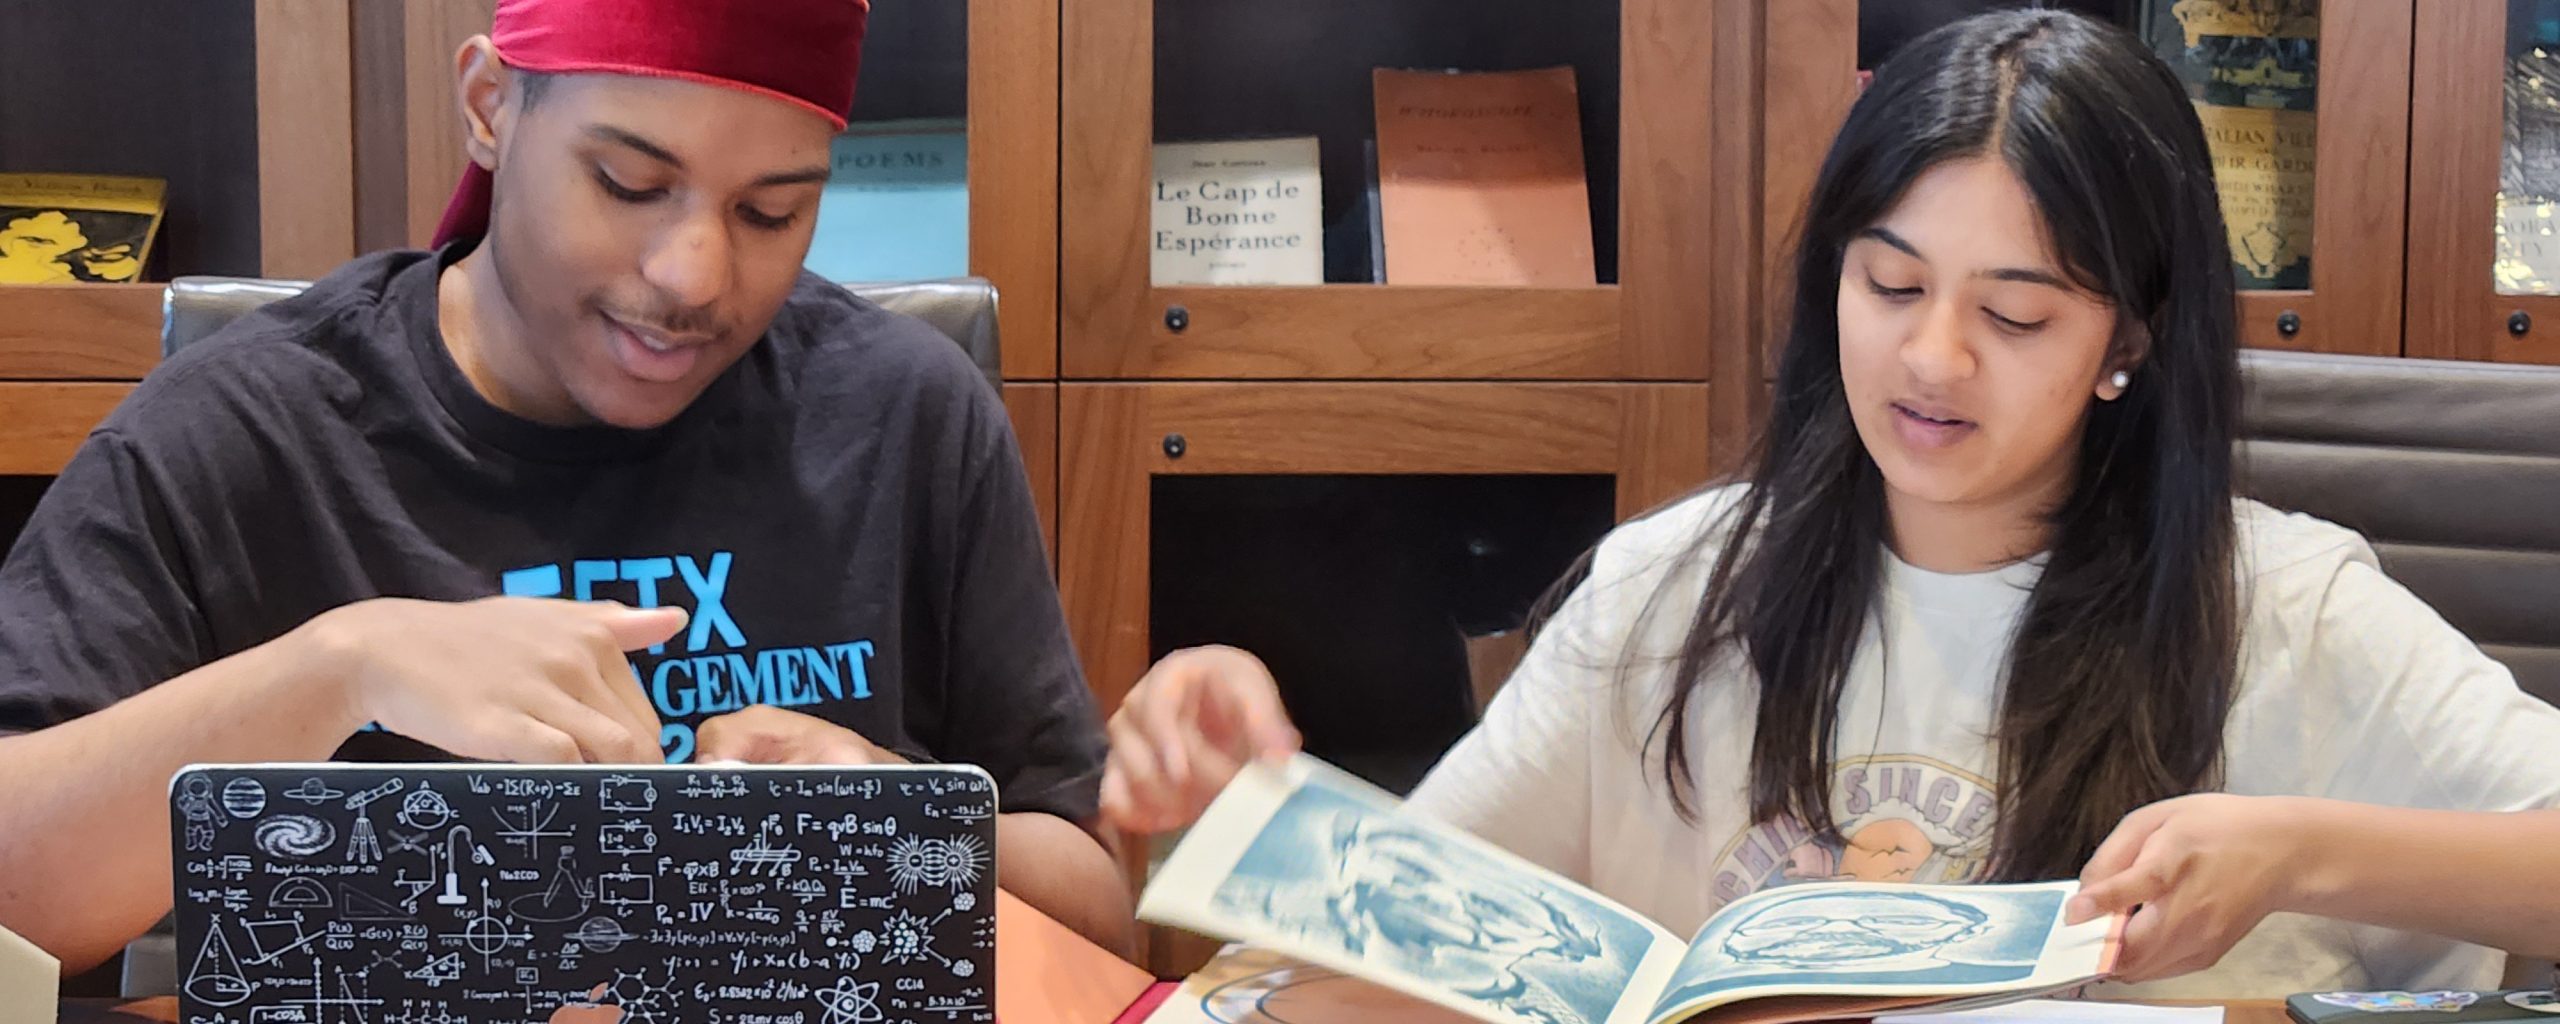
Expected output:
(896, 206)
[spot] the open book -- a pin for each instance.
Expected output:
(1306, 862)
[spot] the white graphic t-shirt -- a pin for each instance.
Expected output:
(2350, 688)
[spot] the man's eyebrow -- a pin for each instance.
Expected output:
(803, 176)
(633, 141)
(621, 137)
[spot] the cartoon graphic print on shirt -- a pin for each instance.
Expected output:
(1906, 818)
(716, 670)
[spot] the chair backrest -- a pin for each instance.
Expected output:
(2451, 469)
(963, 309)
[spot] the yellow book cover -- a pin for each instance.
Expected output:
(66, 228)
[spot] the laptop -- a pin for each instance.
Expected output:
(443, 894)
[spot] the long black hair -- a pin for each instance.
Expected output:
(2121, 671)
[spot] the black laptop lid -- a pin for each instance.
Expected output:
(436, 894)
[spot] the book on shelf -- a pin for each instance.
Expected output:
(2252, 70)
(1480, 178)
(896, 205)
(1237, 212)
(69, 228)
(1353, 248)
(1373, 210)
(1347, 907)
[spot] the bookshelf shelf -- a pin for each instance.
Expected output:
(47, 420)
(1368, 331)
(96, 332)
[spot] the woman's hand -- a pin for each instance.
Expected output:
(2198, 872)
(1196, 719)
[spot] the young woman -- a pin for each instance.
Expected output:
(1985, 607)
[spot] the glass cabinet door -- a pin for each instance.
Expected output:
(2529, 150)
(2484, 265)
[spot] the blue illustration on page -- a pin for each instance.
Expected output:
(1333, 872)
(1844, 940)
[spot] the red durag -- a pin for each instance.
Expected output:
(802, 52)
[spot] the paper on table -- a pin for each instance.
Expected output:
(2067, 1011)
(30, 981)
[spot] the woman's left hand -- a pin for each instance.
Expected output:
(2198, 872)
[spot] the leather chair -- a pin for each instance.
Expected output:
(2451, 469)
(963, 309)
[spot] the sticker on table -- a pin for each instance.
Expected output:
(2440, 1001)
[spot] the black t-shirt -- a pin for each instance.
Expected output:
(844, 512)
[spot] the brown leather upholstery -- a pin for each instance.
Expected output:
(2451, 469)
(963, 309)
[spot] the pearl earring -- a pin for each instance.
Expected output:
(2121, 380)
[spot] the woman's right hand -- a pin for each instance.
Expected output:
(1196, 719)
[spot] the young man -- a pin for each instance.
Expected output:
(341, 527)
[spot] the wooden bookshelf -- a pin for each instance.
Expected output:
(1647, 152)
(249, 120)
(251, 125)
(68, 354)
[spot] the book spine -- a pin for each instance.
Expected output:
(2252, 69)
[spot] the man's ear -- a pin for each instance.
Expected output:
(483, 87)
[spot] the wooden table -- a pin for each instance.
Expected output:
(2254, 1011)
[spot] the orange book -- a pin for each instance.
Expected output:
(1480, 178)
